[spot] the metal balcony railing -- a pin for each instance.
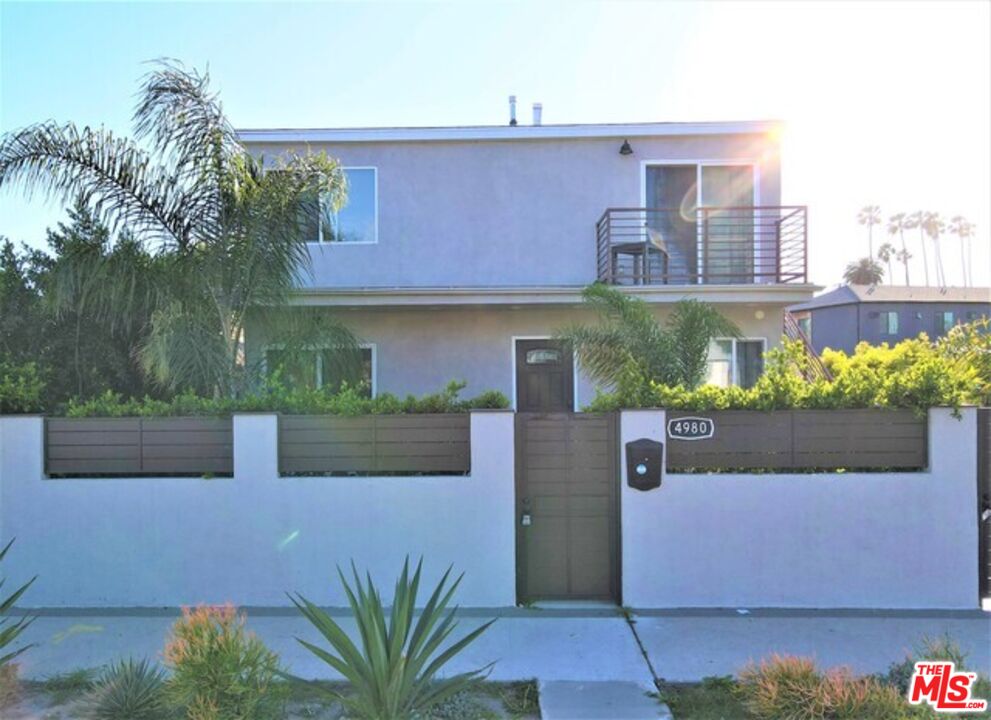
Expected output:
(703, 246)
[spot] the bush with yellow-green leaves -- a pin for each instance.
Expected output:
(920, 374)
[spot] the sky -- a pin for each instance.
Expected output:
(884, 103)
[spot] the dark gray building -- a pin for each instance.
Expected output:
(841, 318)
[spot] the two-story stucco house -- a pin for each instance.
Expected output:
(463, 249)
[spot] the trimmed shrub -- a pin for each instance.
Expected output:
(298, 401)
(220, 671)
(127, 690)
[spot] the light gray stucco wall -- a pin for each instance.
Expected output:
(831, 540)
(419, 350)
(153, 542)
(504, 213)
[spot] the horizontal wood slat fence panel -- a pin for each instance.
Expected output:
(370, 444)
(139, 446)
(802, 440)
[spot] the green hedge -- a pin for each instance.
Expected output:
(349, 401)
(917, 374)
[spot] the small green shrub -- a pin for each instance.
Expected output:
(127, 690)
(21, 388)
(220, 671)
(276, 398)
(943, 647)
(393, 673)
(63, 687)
(793, 688)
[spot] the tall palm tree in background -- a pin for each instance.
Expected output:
(884, 254)
(964, 230)
(227, 237)
(896, 226)
(866, 271)
(934, 227)
(903, 256)
(870, 215)
(629, 338)
(912, 222)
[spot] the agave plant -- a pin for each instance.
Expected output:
(11, 629)
(127, 690)
(393, 673)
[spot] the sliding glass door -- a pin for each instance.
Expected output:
(694, 235)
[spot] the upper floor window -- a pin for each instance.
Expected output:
(889, 322)
(944, 321)
(805, 325)
(357, 220)
(734, 361)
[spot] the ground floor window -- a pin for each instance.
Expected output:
(944, 321)
(319, 368)
(736, 361)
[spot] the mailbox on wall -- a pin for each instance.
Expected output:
(644, 463)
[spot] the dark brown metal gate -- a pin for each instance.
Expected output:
(567, 507)
(984, 499)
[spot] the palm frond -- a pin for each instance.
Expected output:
(119, 180)
(692, 326)
(184, 349)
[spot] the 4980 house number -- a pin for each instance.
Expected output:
(691, 428)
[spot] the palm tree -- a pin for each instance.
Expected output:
(912, 222)
(884, 254)
(870, 215)
(896, 226)
(630, 339)
(903, 256)
(964, 230)
(865, 271)
(227, 237)
(934, 226)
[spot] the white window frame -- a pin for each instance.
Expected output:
(374, 241)
(319, 358)
(885, 316)
(733, 364)
(574, 368)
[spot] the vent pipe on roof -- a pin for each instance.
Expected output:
(538, 110)
(512, 109)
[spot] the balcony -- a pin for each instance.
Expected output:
(703, 246)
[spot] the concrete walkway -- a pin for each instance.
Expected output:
(689, 645)
(586, 660)
(548, 645)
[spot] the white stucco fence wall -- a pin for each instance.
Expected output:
(149, 542)
(853, 540)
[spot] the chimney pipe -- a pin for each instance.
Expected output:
(512, 109)
(538, 109)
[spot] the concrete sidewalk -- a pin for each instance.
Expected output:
(586, 645)
(549, 645)
(692, 644)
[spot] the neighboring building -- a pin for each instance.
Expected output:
(841, 318)
(463, 249)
